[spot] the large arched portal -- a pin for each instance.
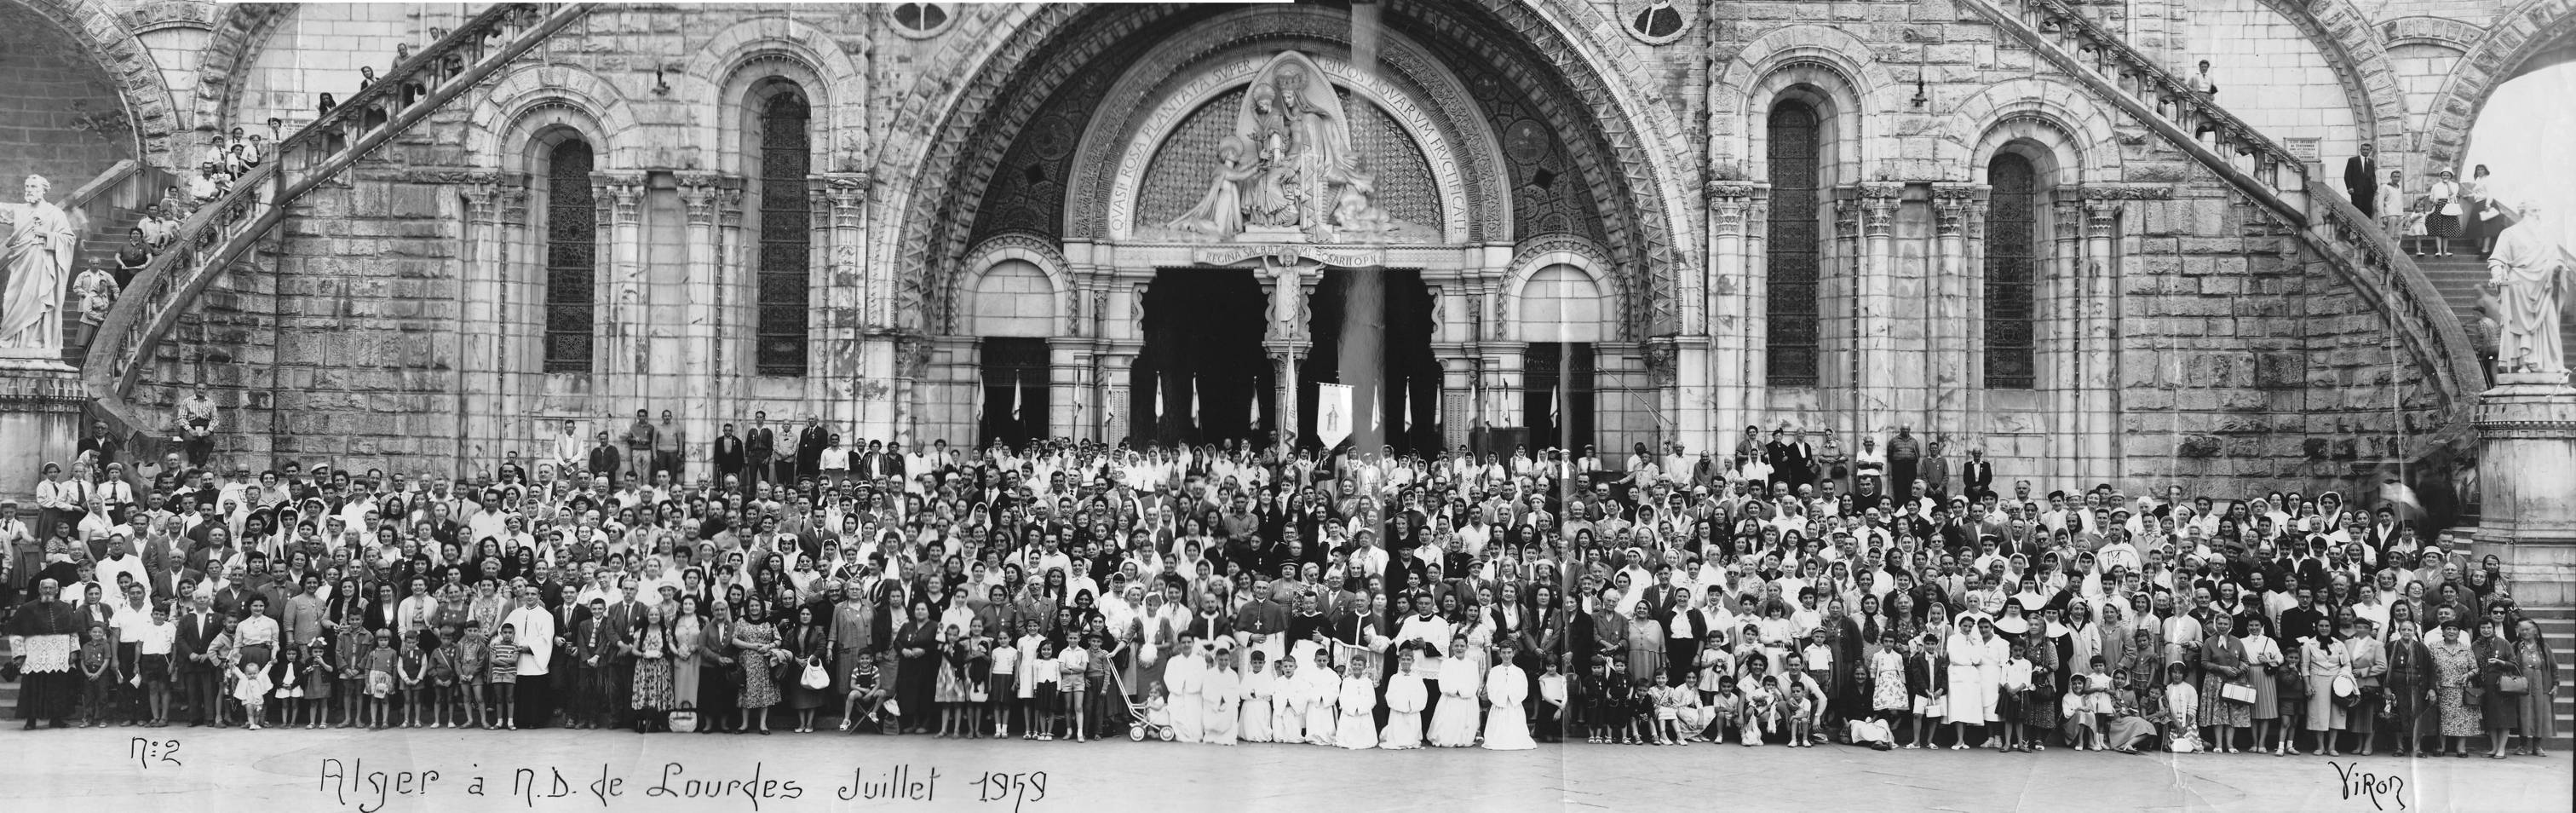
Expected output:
(1251, 202)
(67, 119)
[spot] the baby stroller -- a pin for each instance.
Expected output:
(1142, 720)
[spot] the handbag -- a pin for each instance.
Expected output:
(816, 677)
(2451, 208)
(2513, 684)
(2237, 692)
(683, 720)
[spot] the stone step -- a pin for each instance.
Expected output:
(2458, 277)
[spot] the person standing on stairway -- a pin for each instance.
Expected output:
(2444, 223)
(2391, 205)
(2361, 181)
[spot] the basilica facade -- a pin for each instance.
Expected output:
(1995, 222)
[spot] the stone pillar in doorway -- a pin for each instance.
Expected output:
(1887, 376)
(2066, 395)
(2097, 380)
(1108, 419)
(1506, 366)
(521, 322)
(480, 369)
(1951, 316)
(700, 195)
(1735, 294)
(1289, 287)
(623, 357)
(842, 308)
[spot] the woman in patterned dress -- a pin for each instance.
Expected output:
(2223, 661)
(756, 640)
(652, 651)
(2455, 664)
(686, 631)
(2539, 716)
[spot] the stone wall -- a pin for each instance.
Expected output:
(319, 49)
(2270, 75)
(351, 341)
(60, 115)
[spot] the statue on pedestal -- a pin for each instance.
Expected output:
(1289, 171)
(34, 265)
(2529, 279)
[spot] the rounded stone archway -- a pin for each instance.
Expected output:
(2534, 34)
(86, 92)
(949, 140)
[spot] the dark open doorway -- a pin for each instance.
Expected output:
(1395, 306)
(1203, 338)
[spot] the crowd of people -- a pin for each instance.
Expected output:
(1779, 594)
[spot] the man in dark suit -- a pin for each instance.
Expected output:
(1978, 474)
(620, 666)
(576, 641)
(198, 627)
(604, 458)
(2361, 181)
(809, 449)
(1801, 464)
(760, 449)
(1778, 450)
(101, 441)
(728, 455)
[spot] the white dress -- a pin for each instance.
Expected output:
(1997, 651)
(1183, 679)
(1967, 699)
(1453, 725)
(1287, 708)
(1506, 729)
(1220, 692)
(1323, 705)
(1255, 711)
(1357, 726)
(1405, 697)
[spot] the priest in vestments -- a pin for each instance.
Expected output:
(43, 636)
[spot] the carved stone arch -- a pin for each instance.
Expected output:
(930, 125)
(2353, 49)
(241, 30)
(2457, 35)
(747, 52)
(1140, 148)
(533, 97)
(1796, 55)
(2081, 136)
(1132, 104)
(1540, 253)
(94, 26)
(2517, 34)
(2052, 147)
(1029, 248)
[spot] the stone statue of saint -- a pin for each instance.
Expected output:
(1285, 295)
(36, 263)
(2530, 278)
(1221, 212)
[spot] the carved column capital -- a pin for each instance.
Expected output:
(1847, 217)
(705, 193)
(1957, 207)
(620, 195)
(483, 199)
(514, 204)
(1878, 215)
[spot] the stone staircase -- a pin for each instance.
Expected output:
(2270, 176)
(2459, 277)
(222, 233)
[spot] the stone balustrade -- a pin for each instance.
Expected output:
(210, 241)
(2350, 243)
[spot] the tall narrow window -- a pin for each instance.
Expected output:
(2011, 252)
(1792, 247)
(572, 251)
(786, 235)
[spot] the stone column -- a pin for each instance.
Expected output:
(2070, 287)
(1110, 415)
(623, 358)
(1886, 365)
(480, 424)
(1734, 297)
(2100, 423)
(735, 318)
(1950, 340)
(1853, 278)
(842, 305)
(521, 326)
(40, 422)
(2526, 459)
(702, 410)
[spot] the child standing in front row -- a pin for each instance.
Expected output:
(505, 679)
(380, 680)
(98, 669)
(442, 677)
(251, 686)
(1001, 686)
(1041, 691)
(1551, 701)
(286, 679)
(349, 653)
(411, 671)
(318, 682)
(473, 661)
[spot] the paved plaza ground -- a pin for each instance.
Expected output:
(277, 771)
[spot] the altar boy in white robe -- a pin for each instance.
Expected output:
(1356, 725)
(1323, 696)
(1259, 694)
(1506, 687)
(1288, 703)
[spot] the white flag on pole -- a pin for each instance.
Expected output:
(1194, 401)
(1556, 404)
(1332, 413)
(1015, 400)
